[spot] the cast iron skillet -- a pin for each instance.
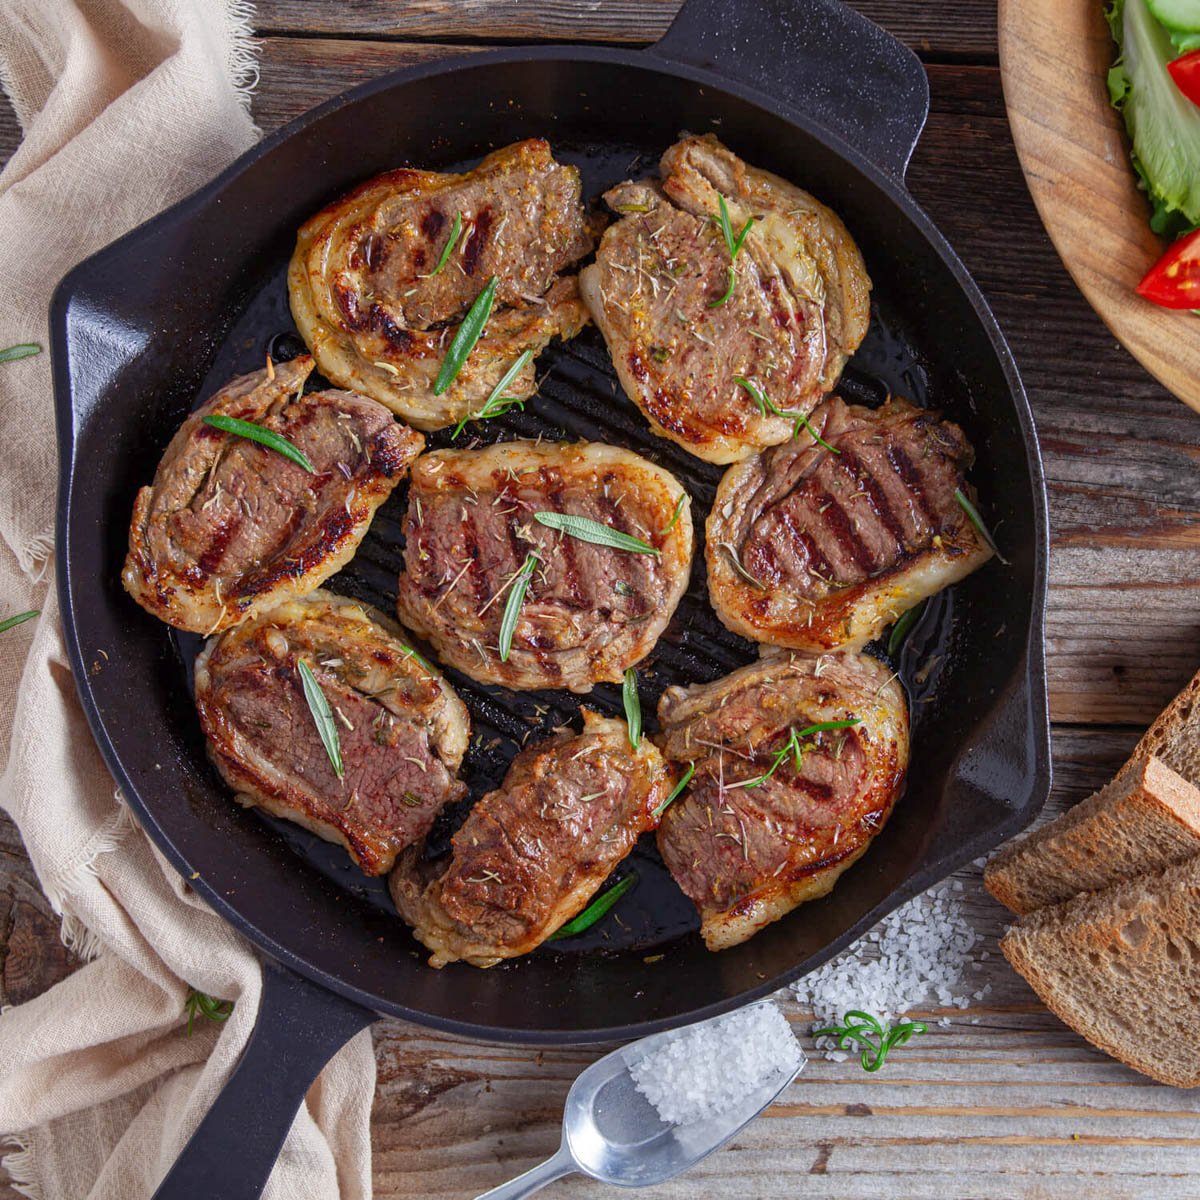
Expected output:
(146, 327)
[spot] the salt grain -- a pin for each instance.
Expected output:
(712, 1066)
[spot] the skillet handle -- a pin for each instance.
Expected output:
(299, 1029)
(821, 58)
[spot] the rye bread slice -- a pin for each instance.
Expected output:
(1175, 735)
(1122, 968)
(1146, 819)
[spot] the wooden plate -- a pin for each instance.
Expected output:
(1054, 55)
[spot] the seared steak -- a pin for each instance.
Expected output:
(798, 309)
(377, 313)
(814, 548)
(747, 855)
(230, 528)
(590, 611)
(533, 853)
(402, 730)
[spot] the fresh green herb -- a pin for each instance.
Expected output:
(409, 652)
(20, 619)
(633, 707)
(976, 520)
(737, 566)
(448, 248)
(733, 245)
(594, 911)
(795, 746)
(587, 530)
(903, 627)
(766, 405)
(675, 515)
(24, 350)
(512, 606)
(465, 338)
(264, 437)
(497, 404)
(676, 791)
(322, 716)
(633, 208)
(199, 1004)
(876, 1040)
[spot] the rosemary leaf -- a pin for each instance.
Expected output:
(23, 350)
(863, 1030)
(795, 747)
(976, 520)
(199, 1004)
(587, 530)
(448, 248)
(904, 626)
(675, 515)
(421, 661)
(767, 405)
(733, 245)
(512, 606)
(20, 619)
(633, 707)
(676, 791)
(594, 911)
(465, 338)
(264, 437)
(497, 404)
(322, 716)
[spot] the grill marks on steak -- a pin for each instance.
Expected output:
(748, 856)
(230, 527)
(402, 730)
(589, 611)
(532, 853)
(366, 301)
(799, 309)
(837, 545)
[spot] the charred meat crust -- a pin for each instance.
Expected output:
(532, 853)
(402, 730)
(813, 548)
(230, 527)
(748, 855)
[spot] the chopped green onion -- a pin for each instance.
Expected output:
(976, 520)
(465, 338)
(264, 437)
(23, 350)
(676, 791)
(594, 911)
(587, 530)
(512, 606)
(733, 245)
(765, 405)
(448, 248)
(903, 627)
(676, 514)
(633, 707)
(20, 619)
(867, 1031)
(497, 404)
(322, 716)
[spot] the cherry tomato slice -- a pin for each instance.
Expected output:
(1186, 73)
(1174, 281)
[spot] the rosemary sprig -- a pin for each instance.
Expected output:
(594, 911)
(322, 716)
(767, 405)
(199, 1004)
(675, 515)
(22, 350)
(512, 606)
(904, 626)
(633, 707)
(420, 660)
(976, 520)
(587, 530)
(867, 1031)
(264, 437)
(676, 791)
(20, 619)
(465, 338)
(448, 248)
(733, 245)
(497, 404)
(795, 747)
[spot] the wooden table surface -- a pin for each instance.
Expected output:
(1005, 1102)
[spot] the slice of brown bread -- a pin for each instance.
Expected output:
(1122, 968)
(1146, 819)
(1175, 735)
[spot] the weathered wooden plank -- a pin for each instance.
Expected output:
(964, 29)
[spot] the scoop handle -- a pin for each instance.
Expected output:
(532, 1181)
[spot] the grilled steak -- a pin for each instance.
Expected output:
(230, 528)
(590, 611)
(531, 854)
(814, 548)
(378, 315)
(798, 309)
(402, 730)
(747, 855)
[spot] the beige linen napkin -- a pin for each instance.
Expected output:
(126, 106)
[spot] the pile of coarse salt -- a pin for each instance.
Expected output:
(714, 1065)
(917, 956)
